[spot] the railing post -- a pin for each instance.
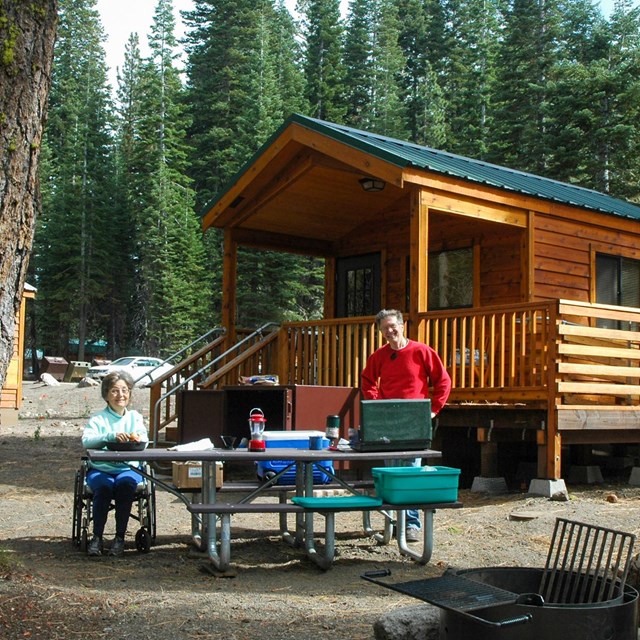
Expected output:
(154, 395)
(282, 349)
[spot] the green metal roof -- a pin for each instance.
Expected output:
(405, 154)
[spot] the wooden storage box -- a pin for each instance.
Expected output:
(188, 475)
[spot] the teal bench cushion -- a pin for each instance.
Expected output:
(345, 502)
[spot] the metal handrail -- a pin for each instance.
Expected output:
(249, 338)
(202, 338)
(178, 387)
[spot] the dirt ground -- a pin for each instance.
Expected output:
(49, 590)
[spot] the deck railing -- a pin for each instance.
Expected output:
(597, 355)
(500, 351)
(214, 365)
(185, 375)
(552, 352)
(328, 352)
(255, 352)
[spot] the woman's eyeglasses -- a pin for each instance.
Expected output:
(119, 392)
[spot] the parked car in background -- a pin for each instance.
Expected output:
(142, 369)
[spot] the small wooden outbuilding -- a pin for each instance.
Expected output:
(11, 395)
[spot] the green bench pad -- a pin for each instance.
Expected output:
(346, 502)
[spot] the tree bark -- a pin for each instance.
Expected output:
(27, 37)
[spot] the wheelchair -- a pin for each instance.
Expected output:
(143, 510)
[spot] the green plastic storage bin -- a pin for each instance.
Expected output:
(416, 485)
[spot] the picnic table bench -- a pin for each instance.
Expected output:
(328, 507)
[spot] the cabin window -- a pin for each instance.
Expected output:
(617, 283)
(451, 279)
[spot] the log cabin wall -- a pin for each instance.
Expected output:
(388, 234)
(500, 279)
(10, 395)
(564, 264)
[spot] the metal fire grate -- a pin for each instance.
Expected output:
(454, 592)
(585, 564)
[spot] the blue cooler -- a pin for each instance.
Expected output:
(291, 440)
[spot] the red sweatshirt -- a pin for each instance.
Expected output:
(406, 373)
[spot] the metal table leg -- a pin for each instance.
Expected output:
(323, 560)
(387, 534)
(422, 557)
(297, 539)
(427, 528)
(198, 524)
(222, 559)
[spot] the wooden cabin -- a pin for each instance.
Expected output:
(11, 393)
(528, 288)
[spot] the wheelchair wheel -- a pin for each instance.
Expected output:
(78, 506)
(84, 541)
(152, 511)
(143, 540)
(147, 507)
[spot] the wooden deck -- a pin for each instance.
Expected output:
(565, 371)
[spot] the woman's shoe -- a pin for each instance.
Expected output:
(94, 547)
(117, 548)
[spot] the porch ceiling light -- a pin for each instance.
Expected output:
(372, 184)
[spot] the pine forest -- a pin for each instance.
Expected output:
(550, 87)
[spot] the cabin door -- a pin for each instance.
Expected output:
(358, 285)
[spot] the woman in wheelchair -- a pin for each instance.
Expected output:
(113, 480)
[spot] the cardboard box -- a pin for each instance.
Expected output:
(188, 475)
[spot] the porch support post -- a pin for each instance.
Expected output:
(527, 266)
(550, 451)
(229, 285)
(283, 356)
(488, 459)
(418, 259)
(329, 287)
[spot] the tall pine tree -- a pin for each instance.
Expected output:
(240, 90)
(620, 107)
(323, 69)
(77, 255)
(421, 37)
(358, 63)
(472, 36)
(170, 285)
(522, 108)
(388, 113)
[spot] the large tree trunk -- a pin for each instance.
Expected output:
(27, 36)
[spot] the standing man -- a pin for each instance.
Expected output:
(403, 368)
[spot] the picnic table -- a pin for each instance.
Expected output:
(303, 504)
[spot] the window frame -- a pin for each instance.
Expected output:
(469, 277)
